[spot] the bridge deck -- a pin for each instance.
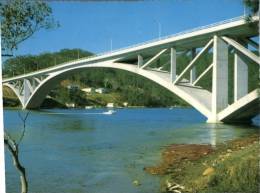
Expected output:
(235, 27)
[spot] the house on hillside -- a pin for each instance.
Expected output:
(110, 105)
(88, 90)
(101, 90)
(70, 105)
(73, 87)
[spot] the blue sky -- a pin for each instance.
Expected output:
(92, 25)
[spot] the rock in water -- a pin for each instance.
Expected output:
(136, 183)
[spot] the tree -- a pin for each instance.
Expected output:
(13, 148)
(253, 6)
(20, 19)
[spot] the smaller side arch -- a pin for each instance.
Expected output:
(16, 92)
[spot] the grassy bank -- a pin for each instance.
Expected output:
(230, 167)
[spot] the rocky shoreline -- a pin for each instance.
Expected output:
(192, 168)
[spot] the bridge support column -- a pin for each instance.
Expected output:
(33, 83)
(140, 61)
(173, 64)
(193, 70)
(219, 78)
(240, 77)
(26, 91)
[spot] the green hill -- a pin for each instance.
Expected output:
(122, 86)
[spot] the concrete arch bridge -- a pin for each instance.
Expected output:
(234, 36)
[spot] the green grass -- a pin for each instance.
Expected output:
(239, 173)
(234, 171)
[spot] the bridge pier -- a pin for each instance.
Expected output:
(173, 64)
(219, 78)
(240, 77)
(26, 91)
(193, 70)
(140, 61)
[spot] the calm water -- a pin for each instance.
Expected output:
(85, 151)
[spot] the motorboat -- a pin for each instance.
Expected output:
(109, 112)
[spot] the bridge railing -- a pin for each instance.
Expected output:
(147, 42)
(175, 35)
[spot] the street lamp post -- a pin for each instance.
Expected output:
(159, 29)
(111, 44)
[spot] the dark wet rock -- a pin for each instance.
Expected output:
(176, 154)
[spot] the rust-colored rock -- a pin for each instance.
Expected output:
(176, 154)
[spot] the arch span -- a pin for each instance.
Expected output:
(198, 98)
(15, 90)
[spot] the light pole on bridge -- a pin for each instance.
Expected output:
(159, 29)
(111, 44)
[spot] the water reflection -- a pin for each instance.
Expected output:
(213, 134)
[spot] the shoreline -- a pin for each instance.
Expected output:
(101, 107)
(192, 168)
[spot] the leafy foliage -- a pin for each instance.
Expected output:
(20, 19)
(253, 5)
(28, 63)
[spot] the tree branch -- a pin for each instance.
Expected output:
(14, 150)
(24, 125)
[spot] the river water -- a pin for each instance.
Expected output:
(86, 151)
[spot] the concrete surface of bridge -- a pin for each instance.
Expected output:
(234, 36)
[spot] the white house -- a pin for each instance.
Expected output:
(110, 105)
(88, 90)
(73, 87)
(70, 105)
(100, 90)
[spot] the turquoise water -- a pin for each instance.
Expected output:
(85, 151)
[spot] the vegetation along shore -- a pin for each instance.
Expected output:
(228, 167)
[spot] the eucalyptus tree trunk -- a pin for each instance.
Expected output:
(14, 150)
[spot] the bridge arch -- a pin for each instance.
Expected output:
(15, 91)
(40, 92)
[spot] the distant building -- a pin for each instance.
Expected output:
(88, 90)
(100, 90)
(125, 104)
(110, 105)
(73, 87)
(70, 105)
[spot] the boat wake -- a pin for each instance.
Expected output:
(109, 112)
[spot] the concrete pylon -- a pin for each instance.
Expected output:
(140, 61)
(26, 91)
(193, 70)
(240, 77)
(173, 64)
(219, 78)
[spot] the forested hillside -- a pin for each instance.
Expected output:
(122, 86)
